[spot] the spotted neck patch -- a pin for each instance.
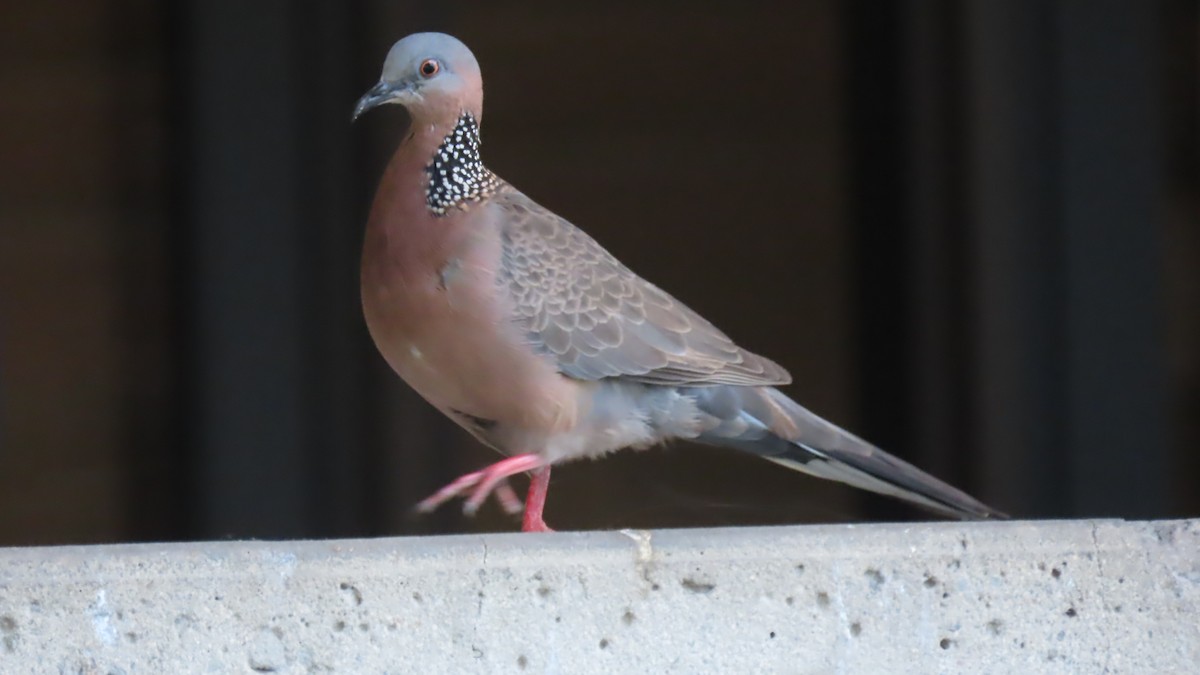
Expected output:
(457, 175)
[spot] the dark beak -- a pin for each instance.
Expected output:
(382, 93)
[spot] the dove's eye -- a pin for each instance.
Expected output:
(429, 68)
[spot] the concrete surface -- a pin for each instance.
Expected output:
(1016, 597)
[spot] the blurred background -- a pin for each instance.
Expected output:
(969, 229)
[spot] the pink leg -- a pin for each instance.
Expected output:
(481, 483)
(535, 503)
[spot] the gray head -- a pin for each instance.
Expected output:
(433, 75)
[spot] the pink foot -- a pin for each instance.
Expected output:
(482, 483)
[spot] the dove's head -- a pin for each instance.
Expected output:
(433, 75)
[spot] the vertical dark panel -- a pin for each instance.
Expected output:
(935, 184)
(244, 201)
(1065, 224)
(154, 491)
(1181, 244)
(878, 211)
(1112, 210)
(275, 386)
(345, 456)
(1016, 255)
(908, 208)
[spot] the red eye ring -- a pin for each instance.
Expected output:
(429, 68)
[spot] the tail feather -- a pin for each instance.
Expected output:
(765, 422)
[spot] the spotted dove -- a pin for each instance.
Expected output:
(535, 339)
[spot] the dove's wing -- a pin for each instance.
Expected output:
(597, 319)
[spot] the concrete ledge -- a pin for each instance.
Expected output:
(1070, 597)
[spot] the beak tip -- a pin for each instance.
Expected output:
(381, 93)
(363, 105)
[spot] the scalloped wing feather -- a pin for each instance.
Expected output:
(597, 319)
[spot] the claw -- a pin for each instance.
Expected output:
(449, 492)
(508, 499)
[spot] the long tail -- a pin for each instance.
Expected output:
(765, 422)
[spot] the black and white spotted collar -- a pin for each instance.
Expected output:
(457, 175)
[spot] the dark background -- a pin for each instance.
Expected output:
(969, 229)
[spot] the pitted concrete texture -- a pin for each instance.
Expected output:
(1015, 597)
